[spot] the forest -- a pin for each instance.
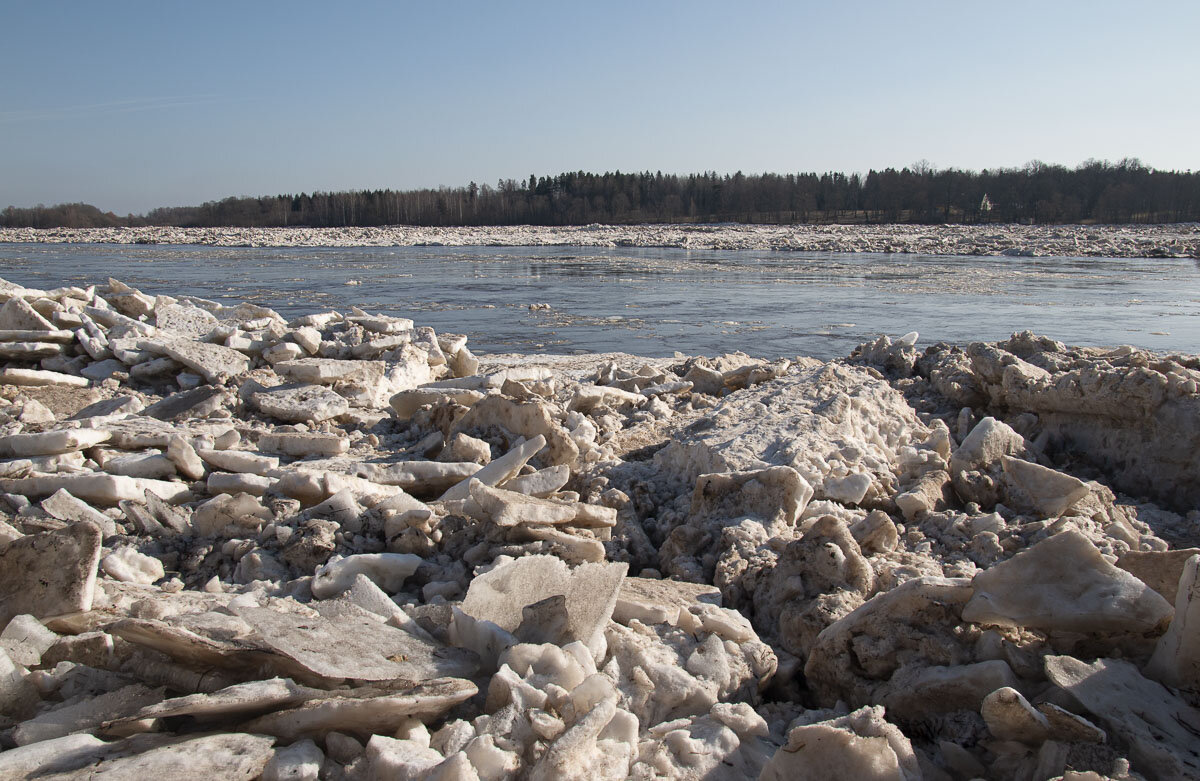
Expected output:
(1093, 192)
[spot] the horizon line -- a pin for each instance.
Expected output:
(921, 167)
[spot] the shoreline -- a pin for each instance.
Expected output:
(1180, 240)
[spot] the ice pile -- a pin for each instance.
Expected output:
(345, 547)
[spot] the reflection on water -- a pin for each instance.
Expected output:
(658, 301)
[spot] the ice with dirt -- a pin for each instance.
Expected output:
(344, 546)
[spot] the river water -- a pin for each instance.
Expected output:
(657, 301)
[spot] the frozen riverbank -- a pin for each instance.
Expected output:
(1114, 241)
(237, 545)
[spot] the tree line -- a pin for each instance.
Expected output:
(1093, 192)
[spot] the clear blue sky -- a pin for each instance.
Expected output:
(131, 105)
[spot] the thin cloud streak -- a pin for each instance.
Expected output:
(112, 107)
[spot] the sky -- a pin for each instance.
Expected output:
(133, 105)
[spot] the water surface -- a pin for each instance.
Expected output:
(659, 301)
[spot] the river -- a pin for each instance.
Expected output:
(655, 302)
